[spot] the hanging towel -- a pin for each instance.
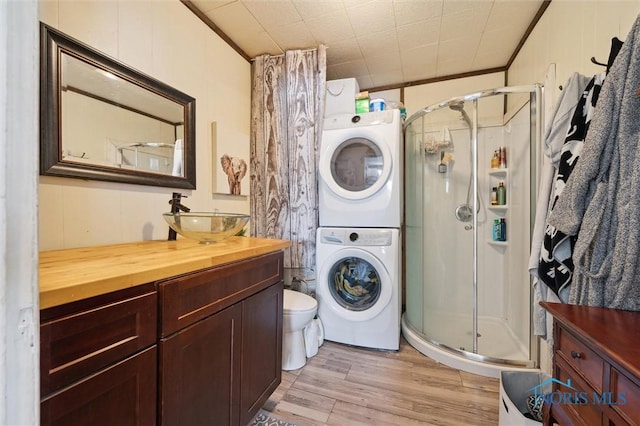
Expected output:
(555, 133)
(177, 158)
(556, 266)
(601, 200)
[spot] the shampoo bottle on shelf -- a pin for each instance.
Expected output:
(495, 160)
(502, 194)
(495, 231)
(503, 229)
(494, 196)
(502, 157)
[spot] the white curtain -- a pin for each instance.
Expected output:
(287, 107)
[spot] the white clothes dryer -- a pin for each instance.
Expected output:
(358, 286)
(360, 170)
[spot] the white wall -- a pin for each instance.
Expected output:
(569, 34)
(167, 41)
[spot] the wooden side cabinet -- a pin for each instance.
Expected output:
(596, 366)
(221, 346)
(98, 360)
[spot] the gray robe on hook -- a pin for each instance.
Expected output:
(601, 201)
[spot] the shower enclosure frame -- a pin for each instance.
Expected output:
(535, 137)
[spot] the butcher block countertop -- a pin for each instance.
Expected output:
(68, 275)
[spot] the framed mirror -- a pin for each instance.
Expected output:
(100, 119)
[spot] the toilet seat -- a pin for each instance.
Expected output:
(294, 301)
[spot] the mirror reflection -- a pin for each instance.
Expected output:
(106, 121)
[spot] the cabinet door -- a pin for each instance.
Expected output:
(261, 350)
(200, 371)
(123, 394)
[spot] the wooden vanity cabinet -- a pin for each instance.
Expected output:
(200, 348)
(98, 360)
(221, 342)
(598, 351)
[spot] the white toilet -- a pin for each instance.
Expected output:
(299, 310)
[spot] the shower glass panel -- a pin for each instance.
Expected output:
(465, 292)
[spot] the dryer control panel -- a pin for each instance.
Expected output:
(347, 121)
(356, 236)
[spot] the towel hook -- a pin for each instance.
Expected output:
(595, 61)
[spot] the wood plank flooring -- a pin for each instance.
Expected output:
(345, 386)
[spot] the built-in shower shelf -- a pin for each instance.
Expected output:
(498, 172)
(499, 208)
(497, 243)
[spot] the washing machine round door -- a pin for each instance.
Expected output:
(357, 285)
(356, 167)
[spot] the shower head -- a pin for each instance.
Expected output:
(459, 107)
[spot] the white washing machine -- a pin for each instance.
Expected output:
(358, 286)
(360, 165)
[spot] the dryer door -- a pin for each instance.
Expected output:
(356, 285)
(353, 165)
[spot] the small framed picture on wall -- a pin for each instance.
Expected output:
(230, 166)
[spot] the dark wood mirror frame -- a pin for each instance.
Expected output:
(52, 44)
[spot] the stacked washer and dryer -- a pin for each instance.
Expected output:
(358, 245)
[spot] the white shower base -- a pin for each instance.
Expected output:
(497, 341)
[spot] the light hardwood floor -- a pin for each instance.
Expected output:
(344, 386)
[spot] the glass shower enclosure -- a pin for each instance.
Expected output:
(468, 290)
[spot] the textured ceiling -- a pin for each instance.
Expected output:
(382, 43)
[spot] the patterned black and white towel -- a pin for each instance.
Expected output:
(556, 266)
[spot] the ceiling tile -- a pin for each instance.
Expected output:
(208, 5)
(293, 36)
(235, 20)
(273, 14)
(372, 44)
(343, 51)
(457, 66)
(463, 24)
(433, 37)
(490, 58)
(310, 9)
(419, 63)
(259, 45)
(385, 78)
(348, 69)
(372, 17)
(461, 49)
(410, 11)
(330, 28)
(387, 61)
(419, 33)
(475, 6)
(509, 13)
(505, 39)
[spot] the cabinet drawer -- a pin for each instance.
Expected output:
(580, 404)
(78, 344)
(123, 394)
(193, 297)
(581, 358)
(625, 397)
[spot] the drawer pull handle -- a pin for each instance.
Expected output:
(575, 354)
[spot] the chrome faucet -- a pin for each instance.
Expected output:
(176, 207)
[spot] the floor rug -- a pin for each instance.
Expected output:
(265, 418)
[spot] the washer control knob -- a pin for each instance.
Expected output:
(353, 236)
(355, 119)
